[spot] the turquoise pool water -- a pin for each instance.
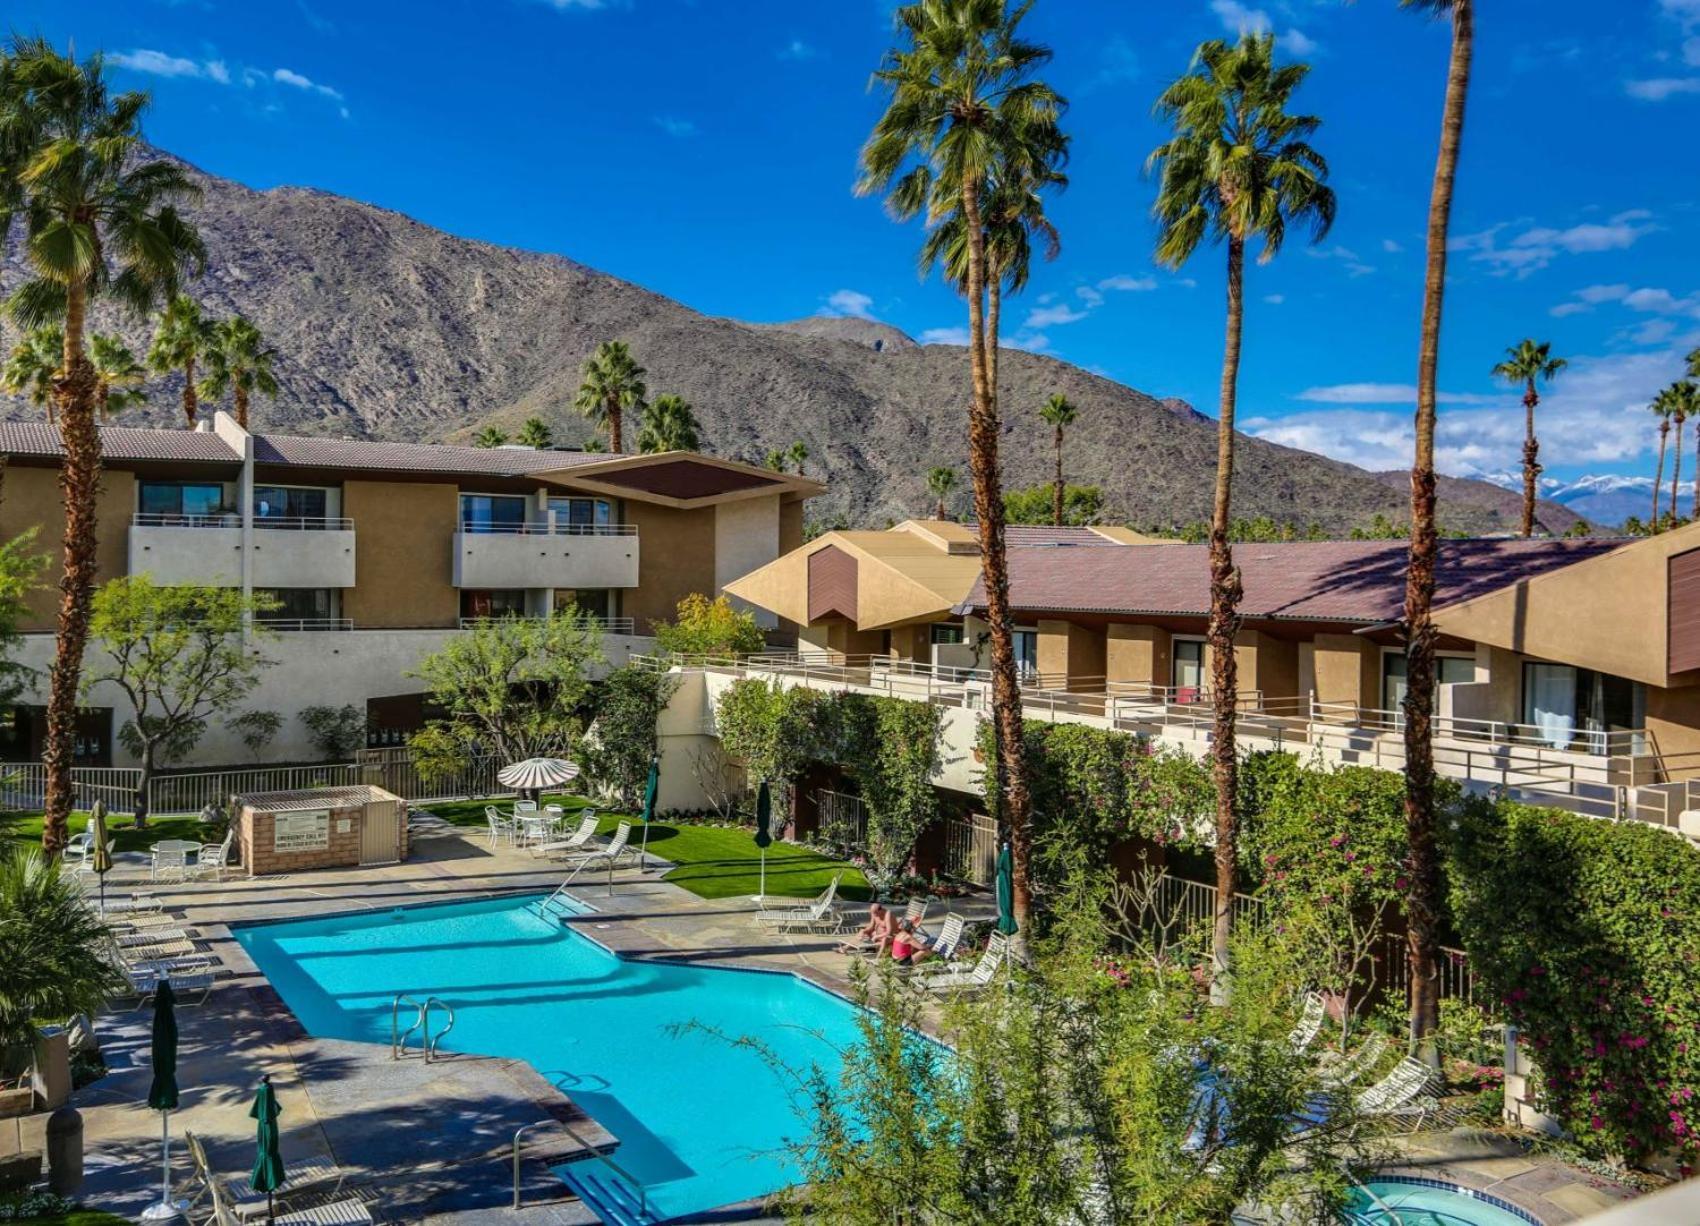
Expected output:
(701, 1123)
(1427, 1204)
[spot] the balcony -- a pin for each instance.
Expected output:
(540, 555)
(207, 549)
(608, 625)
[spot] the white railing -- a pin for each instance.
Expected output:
(304, 523)
(160, 519)
(841, 818)
(23, 785)
(1596, 742)
(297, 625)
(609, 625)
(546, 528)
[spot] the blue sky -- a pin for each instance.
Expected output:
(707, 149)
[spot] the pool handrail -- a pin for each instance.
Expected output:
(428, 1038)
(590, 1151)
(398, 1037)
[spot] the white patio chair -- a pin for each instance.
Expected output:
(79, 850)
(169, 865)
(580, 839)
(1404, 1091)
(348, 1212)
(971, 979)
(187, 975)
(821, 915)
(1343, 1070)
(309, 1175)
(948, 945)
(609, 853)
(501, 828)
(212, 859)
(1310, 1023)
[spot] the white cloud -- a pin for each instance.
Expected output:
(1050, 316)
(1564, 309)
(797, 50)
(1238, 18)
(1653, 300)
(1595, 294)
(1117, 64)
(1391, 247)
(850, 302)
(674, 126)
(1123, 283)
(945, 336)
(1657, 89)
(1032, 342)
(1348, 258)
(1274, 299)
(296, 80)
(563, 6)
(1536, 247)
(1299, 43)
(1385, 393)
(1090, 296)
(159, 64)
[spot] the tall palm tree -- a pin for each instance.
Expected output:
(97, 222)
(1684, 403)
(1058, 412)
(490, 437)
(964, 106)
(940, 482)
(774, 461)
(1694, 373)
(35, 362)
(669, 424)
(1422, 899)
(238, 362)
(1238, 169)
(1663, 409)
(613, 384)
(798, 454)
(535, 432)
(181, 339)
(118, 375)
(1526, 363)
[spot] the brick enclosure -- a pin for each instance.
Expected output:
(257, 818)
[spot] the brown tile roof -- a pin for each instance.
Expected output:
(1348, 581)
(305, 452)
(32, 438)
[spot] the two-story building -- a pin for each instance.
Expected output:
(374, 553)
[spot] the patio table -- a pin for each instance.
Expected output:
(172, 856)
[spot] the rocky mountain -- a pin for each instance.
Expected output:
(386, 328)
(1600, 498)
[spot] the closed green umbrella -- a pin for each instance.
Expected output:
(162, 1094)
(1006, 892)
(650, 790)
(764, 836)
(100, 854)
(267, 1175)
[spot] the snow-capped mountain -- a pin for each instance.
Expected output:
(1602, 498)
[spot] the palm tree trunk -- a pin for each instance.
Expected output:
(1422, 904)
(190, 405)
(241, 396)
(1015, 802)
(615, 440)
(1057, 488)
(939, 511)
(79, 484)
(1221, 632)
(1676, 468)
(1659, 479)
(1531, 452)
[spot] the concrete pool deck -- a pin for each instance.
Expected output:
(430, 1143)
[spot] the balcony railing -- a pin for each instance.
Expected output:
(233, 519)
(610, 625)
(1596, 742)
(544, 528)
(298, 625)
(304, 523)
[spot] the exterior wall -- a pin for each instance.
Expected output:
(677, 559)
(1137, 655)
(747, 534)
(1673, 721)
(32, 499)
(1071, 655)
(790, 526)
(1275, 669)
(281, 557)
(254, 836)
(404, 571)
(913, 643)
(1347, 669)
(514, 560)
(841, 637)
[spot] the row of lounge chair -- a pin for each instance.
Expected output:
(150, 946)
(1404, 1090)
(234, 1202)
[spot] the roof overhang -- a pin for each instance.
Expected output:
(680, 479)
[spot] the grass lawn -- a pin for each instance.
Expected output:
(76, 1217)
(26, 829)
(713, 862)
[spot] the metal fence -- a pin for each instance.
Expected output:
(841, 818)
(970, 847)
(395, 770)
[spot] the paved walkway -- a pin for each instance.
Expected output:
(1554, 1192)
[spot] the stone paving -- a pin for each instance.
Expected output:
(433, 1142)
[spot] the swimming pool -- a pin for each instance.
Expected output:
(700, 1122)
(1429, 1202)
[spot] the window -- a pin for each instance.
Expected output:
(293, 503)
(492, 512)
(595, 602)
(184, 501)
(944, 634)
(498, 603)
(1457, 670)
(1027, 653)
(1449, 670)
(1186, 671)
(582, 512)
(300, 604)
(1580, 709)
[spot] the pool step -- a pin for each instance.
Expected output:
(611, 1198)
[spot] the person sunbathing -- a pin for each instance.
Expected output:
(908, 945)
(875, 933)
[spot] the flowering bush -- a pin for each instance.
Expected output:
(1589, 931)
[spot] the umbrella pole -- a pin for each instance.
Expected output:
(643, 853)
(165, 1211)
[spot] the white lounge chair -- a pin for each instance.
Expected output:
(1310, 1023)
(578, 840)
(822, 915)
(966, 979)
(948, 944)
(140, 921)
(1339, 1071)
(186, 976)
(142, 938)
(347, 1212)
(312, 1174)
(1404, 1091)
(609, 853)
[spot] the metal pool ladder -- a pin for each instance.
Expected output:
(421, 1022)
(560, 905)
(623, 1178)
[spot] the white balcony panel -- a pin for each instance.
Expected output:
(544, 560)
(172, 554)
(306, 558)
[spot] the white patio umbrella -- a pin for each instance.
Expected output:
(535, 775)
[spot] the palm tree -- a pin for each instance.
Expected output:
(1525, 363)
(535, 432)
(1058, 412)
(490, 436)
(1422, 899)
(798, 454)
(238, 362)
(181, 339)
(55, 951)
(1684, 403)
(98, 221)
(1238, 168)
(669, 425)
(940, 482)
(1663, 409)
(965, 113)
(613, 383)
(33, 367)
(1693, 361)
(118, 375)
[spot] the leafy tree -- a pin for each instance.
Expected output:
(20, 574)
(1081, 504)
(239, 362)
(35, 361)
(965, 114)
(1526, 363)
(774, 461)
(177, 655)
(798, 454)
(623, 737)
(1581, 528)
(770, 731)
(256, 730)
(669, 425)
(1059, 413)
(118, 375)
(941, 482)
(490, 436)
(338, 733)
(612, 386)
(1683, 399)
(98, 222)
(1239, 168)
(704, 627)
(182, 337)
(897, 780)
(1422, 901)
(510, 687)
(535, 432)
(55, 952)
